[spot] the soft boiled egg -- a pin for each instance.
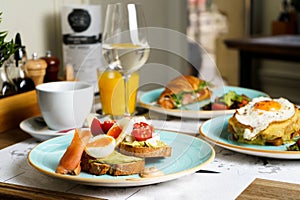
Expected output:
(100, 146)
(261, 112)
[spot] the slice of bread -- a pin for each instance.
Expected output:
(115, 164)
(145, 152)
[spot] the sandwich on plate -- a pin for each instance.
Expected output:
(183, 90)
(265, 121)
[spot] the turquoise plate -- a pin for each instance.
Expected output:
(215, 130)
(149, 99)
(189, 154)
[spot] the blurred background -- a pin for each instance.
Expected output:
(39, 23)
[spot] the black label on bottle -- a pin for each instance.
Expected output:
(72, 39)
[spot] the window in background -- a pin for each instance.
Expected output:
(205, 24)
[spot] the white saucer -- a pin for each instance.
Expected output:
(37, 128)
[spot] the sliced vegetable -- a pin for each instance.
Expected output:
(114, 131)
(107, 124)
(142, 131)
(232, 97)
(295, 146)
(202, 85)
(96, 127)
(230, 100)
(219, 106)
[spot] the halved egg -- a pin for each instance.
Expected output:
(100, 146)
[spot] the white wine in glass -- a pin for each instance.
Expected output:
(127, 57)
(124, 44)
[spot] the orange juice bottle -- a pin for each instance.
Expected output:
(111, 88)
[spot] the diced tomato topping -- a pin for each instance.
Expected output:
(142, 131)
(107, 125)
(114, 131)
(219, 106)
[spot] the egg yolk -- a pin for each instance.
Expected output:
(267, 105)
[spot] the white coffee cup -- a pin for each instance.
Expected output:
(65, 104)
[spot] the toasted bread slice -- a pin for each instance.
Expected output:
(116, 164)
(145, 152)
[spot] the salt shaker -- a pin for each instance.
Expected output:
(36, 69)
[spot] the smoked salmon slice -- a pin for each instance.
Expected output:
(70, 161)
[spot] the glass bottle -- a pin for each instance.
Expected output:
(52, 67)
(7, 87)
(284, 14)
(22, 81)
(17, 66)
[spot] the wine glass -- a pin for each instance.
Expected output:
(124, 41)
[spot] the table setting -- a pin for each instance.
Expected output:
(230, 172)
(179, 141)
(234, 172)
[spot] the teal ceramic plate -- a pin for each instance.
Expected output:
(215, 130)
(189, 154)
(148, 100)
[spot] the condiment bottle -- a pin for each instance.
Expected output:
(52, 67)
(7, 88)
(284, 14)
(22, 81)
(36, 69)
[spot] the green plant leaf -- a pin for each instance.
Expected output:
(6, 48)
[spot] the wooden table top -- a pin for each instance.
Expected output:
(12, 136)
(267, 189)
(282, 44)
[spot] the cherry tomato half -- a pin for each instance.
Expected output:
(142, 131)
(114, 131)
(107, 124)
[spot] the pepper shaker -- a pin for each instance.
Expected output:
(52, 67)
(36, 69)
